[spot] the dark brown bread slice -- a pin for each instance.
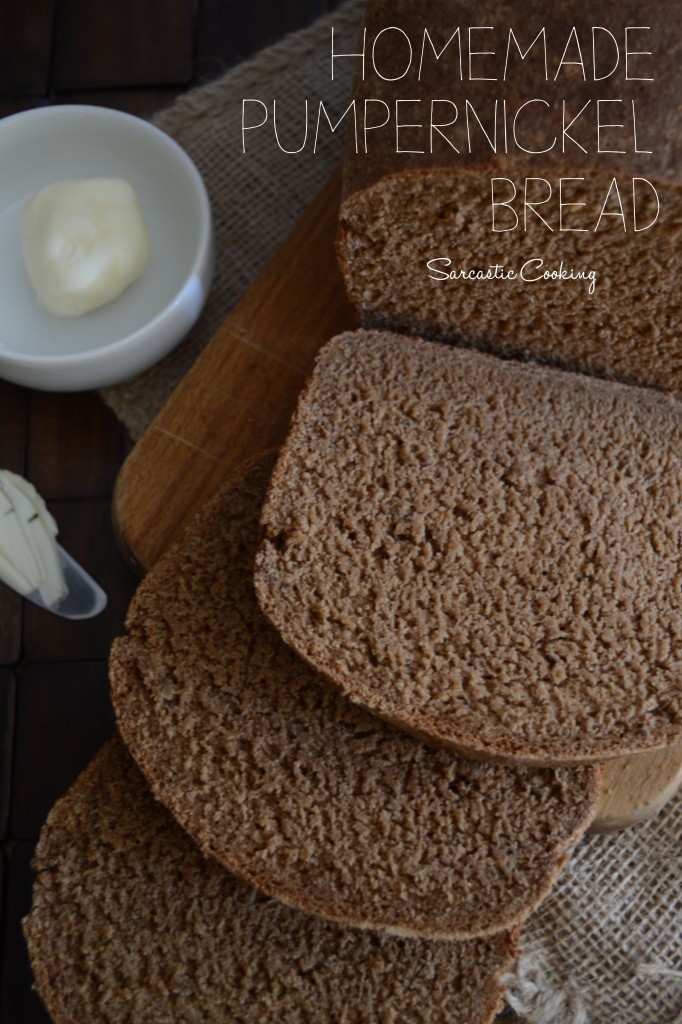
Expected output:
(130, 924)
(404, 209)
(485, 552)
(300, 792)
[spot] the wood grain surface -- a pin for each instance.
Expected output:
(237, 401)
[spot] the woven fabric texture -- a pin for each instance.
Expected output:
(257, 196)
(606, 946)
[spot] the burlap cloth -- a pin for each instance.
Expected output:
(605, 947)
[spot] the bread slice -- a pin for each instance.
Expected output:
(484, 552)
(418, 195)
(296, 790)
(130, 923)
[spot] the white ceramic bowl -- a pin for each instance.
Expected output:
(135, 330)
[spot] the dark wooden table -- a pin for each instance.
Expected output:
(55, 712)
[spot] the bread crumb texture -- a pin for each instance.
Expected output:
(486, 552)
(391, 231)
(131, 924)
(300, 792)
(416, 193)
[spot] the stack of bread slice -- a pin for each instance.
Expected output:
(381, 877)
(291, 786)
(367, 695)
(130, 923)
(370, 688)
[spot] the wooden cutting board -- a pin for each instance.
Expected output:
(236, 402)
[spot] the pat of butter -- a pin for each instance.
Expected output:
(29, 559)
(84, 242)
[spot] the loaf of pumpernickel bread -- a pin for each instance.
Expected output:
(403, 209)
(298, 791)
(485, 552)
(130, 923)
